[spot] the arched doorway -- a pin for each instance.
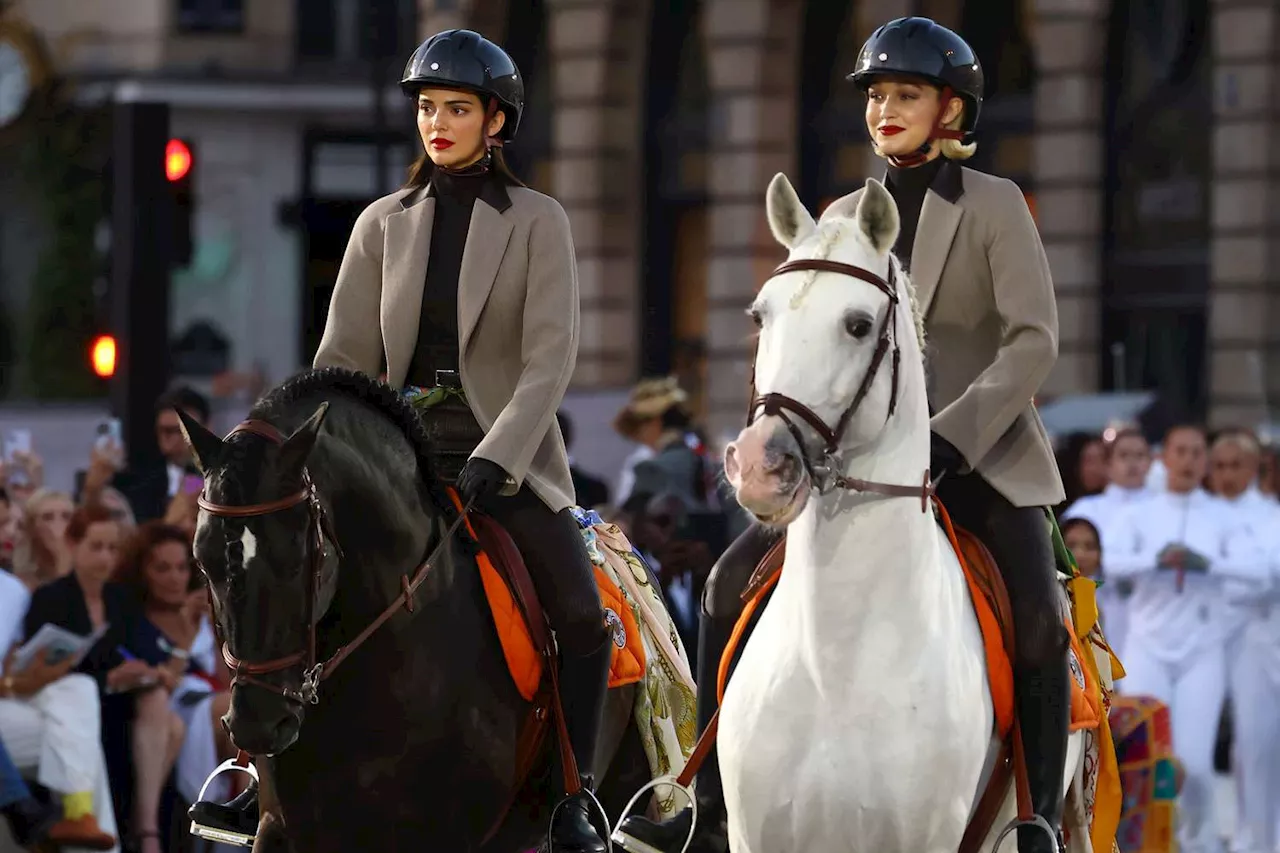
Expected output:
(833, 134)
(1156, 233)
(675, 244)
(998, 31)
(527, 41)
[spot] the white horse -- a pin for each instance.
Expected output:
(859, 716)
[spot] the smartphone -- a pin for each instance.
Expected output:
(192, 484)
(110, 433)
(16, 441)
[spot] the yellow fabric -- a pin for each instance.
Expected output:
(76, 806)
(1101, 668)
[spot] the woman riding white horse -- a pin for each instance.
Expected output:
(986, 295)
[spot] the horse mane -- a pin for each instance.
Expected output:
(828, 235)
(376, 394)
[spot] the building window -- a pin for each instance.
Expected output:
(224, 17)
(1158, 224)
(356, 30)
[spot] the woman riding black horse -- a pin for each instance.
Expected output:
(465, 283)
(991, 322)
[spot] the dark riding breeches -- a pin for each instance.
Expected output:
(552, 547)
(1018, 538)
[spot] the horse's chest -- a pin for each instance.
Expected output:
(810, 765)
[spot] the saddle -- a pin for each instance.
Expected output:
(530, 651)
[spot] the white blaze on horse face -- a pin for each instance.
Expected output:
(819, 330)
(249, 544)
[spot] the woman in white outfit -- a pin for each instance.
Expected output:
(1128, 460)
(1180, 547)
(49, 722)
(1253, 648)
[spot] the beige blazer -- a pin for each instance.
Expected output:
(517, 320)
(991, 320)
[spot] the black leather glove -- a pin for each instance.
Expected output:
(480, 479)
(943, 456)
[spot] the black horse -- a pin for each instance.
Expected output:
(412, 743)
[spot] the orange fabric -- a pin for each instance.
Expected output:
(999, 668)
(628, 659)
(722, 676)
(523, 660)
(1086, 713)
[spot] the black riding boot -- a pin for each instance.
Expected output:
(234, 822)
(638, 834)
(1043, 699)
(584, 684)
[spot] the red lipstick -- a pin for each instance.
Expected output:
(441, 144)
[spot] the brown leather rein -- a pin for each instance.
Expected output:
(826, 473)
(321, 533)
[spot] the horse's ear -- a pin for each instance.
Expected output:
(788, 220)
(877, 216)
(297, 447)
(206, 448)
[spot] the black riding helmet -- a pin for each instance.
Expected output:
(920, 47)
(463, 59)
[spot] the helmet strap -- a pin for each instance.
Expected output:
(921, 154)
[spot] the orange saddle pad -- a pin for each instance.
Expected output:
(986, 590)
(518, 647)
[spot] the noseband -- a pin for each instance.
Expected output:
(826, 473)
(320, 532)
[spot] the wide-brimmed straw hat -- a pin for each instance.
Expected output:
(650, 398)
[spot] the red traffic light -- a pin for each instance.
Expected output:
(103, 356)
(177, 160)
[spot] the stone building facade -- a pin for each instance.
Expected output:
(1146, 145)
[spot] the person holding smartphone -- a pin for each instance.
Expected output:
(50, 728)
(140, 729)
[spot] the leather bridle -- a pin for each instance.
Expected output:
(320, 534)
(826, 473)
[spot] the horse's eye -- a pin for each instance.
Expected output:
(756, 317)
(857, 327)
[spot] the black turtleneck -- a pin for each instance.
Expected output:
(908, 187)
(455, 196)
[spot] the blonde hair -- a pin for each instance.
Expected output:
(954, 149)
(34, 561)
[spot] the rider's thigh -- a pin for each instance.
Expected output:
(552, 547)
(722, 594)
(1019, 540)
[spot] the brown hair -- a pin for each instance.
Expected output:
(131, 570)
(1186, 427)
(87, 516)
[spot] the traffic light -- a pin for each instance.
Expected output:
(179, 170)
(102, 355)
